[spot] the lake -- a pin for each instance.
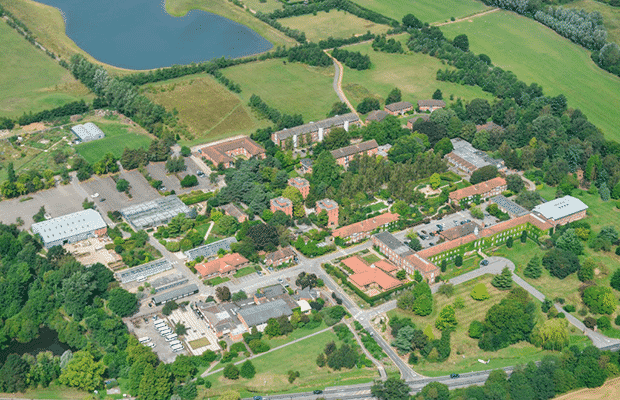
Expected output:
(47, 341)
(140, 34)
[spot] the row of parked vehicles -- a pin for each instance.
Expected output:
(166, 332)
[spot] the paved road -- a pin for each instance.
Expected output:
(496, 265)
(339, 73)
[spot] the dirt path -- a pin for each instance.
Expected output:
(338, 84)
(467, 18)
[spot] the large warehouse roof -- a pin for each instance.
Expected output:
(560, 208)
(175, 294)
(88, 132)
(155, 212)
(69, 225)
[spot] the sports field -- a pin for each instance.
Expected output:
(337, 24)
(208, 109)
(535, 53)
(611, 16)
(425, 10)
(414, 74)
(292, 88)
(117, 137)
(30, 80)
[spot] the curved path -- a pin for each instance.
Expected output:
(338, 84)
(466, 18)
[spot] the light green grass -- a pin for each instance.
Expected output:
(179, 8)
(208, 110)
(54, 392)
(202, 342)
(371, 258)
(30, 80)
(266, 7)
(244, 271)
(296, 334)
(425, 10)
(117, 137)
(340, 24)
(414, 74)
(272, 369)
(611, 16)
(217, 280)
(292, 88)
(550, 60)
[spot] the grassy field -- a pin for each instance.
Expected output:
(296, 334)
(54, 392)
(545, 61)
(198, 343)
(414, 74)
(465, 351)
(244, 271)
(611, 16)
(292, 88)
(341, 25)
(208, 110)
(266, 7)
(610, 390)
(272, 369)
(228, 10)
(425, 10)
(30, 80)
(117, 137)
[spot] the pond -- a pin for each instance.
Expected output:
(47, 341)
(140, 34)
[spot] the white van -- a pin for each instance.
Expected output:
(174, 342)
(166, 332)
(144, 340)
(171, 337)
(178, 347)
(151, 345)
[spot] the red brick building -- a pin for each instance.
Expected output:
(225, 266)
(361, 230)
(331, 207)
(485, 189)
(367, 277)
(279, 257)
(300, 184)
(423, 117)
(399, 108)
(282, 204)
(345, 154)
(225, 152)
(430, 105)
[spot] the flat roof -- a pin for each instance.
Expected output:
(392, 243)
(210, 249)
(315, 126)
(144, 270)
(182, 291)
(259, 314)
(510, 206)
(69, 225)
(469, 153)
(155, 212)
(560, 208)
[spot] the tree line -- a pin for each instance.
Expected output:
(327, 5)
(352, 59)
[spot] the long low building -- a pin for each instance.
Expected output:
(361, 230)
(143, 271)
(210, 249)
(260, 314)
(87, 132)
(562, 211)
(483, 190)
(344, 155)
(175, 294)
(305, 135)
(225, 152)
(70, 228)
(168, 282)
(156, 212)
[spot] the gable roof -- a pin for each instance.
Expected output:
(424, 117)
(261, 313)
(355, 149)
(560, 208)
(233, 210)
(377, 115)
(367, 225)
(315, 126)
(431, 103)
(480, 188)
(398, 106)
(489, 126)
(221, 265)
(459, 231)
(219, 152)
(280, 254)
(365, 275)
(69, 225)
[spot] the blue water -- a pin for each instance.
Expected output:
(140, 34)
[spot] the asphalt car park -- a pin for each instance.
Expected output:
(159, 173)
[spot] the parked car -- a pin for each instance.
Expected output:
(258, 397)
(484, 262)
(432, 234)
(454, 375)
(317, 391)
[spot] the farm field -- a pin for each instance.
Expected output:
(32, 81)
(610, 390)
(465, 351)
(292, 88)
(208, 110)
(545, 61)
(340, 23)
(611, 16)
(272, 369)
(179, 8)
(414, 74)
(425, 10)
(117, 137)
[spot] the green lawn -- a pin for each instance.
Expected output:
(266, 7)
(244, 271)
(551, 61)
(371, 258)
(292, 88)
(425, 10)
(341, 25)
(116, 139)
(611, 16)
(31, 80)
(296, 334)
(414, 74)
(272, 369)
(216, 281)
(54, 392)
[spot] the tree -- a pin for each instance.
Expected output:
(410, 21)
(523, 237)
(230, 395)
(414, 244)
(189, 181)
(394, 96)
(305, 280)
(443, 146)
(435, 180)
(480, 292)
(222, 293)
(405, 301)
(586, 271)
(264, 237)
(391, 389)
(183, 366)
(435, 391)
(461, 42)
(458, 260)
(509, 321)
(122, 302)
(401, 275)
(14, 374)
(40, 215)
(560, 263)
(122, 185)
(483, 174)
(338, 108)
(510, 242)
(437, 95)
(570, 241)
(614, 282)
(503, 281)
(186, 151)
(231, 372)
(447, 289)
(83, 372)
(476, 212)
(321, 360)
(446, 319)
(367, 105)
(175, 164)
(11, 173)
(533, 269)
(515, 183)
(476, 329)
(423, 305)
(247, 370)
(403, 339)
(478, 111)
(273, 328)
(169, 306)
(180, 329)
(552, 334)
(599, 299)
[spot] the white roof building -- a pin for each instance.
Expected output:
(558, 209)
(70, 228)
(88, 132)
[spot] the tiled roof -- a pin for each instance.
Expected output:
(314, 126)
(480, 188)
(377, 115)
(355, 149)
(456, 159)
(424, 117)
(365, 275)
(368, 225)
(399, 106)
(280, 254)
(221, 265)
(459, 231)
(298, 182)
(421, 264)
(218, 152)
(233, 210)
(431, 103)
(385, 265)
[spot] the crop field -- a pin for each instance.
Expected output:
(610, 390)
(208, 110)
(292, 88)
(117, 137)
(272, 369)
(227, 9)
(611, 16)
(30, 80)
(550, 60)
(337, 24)
(425, 10)
(414, 74)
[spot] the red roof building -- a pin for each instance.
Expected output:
(369, 277)
(361, 230)
(344, 155)
(300, 184)
(225, 266)
(225, 152)
(282, 204)
(280, 257)
(485, 189)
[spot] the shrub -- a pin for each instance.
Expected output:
(476, 329)
(480, 292)
(569, 308)
(589, 322)
(599, 299)
(617, 320)
(231, 371)
(603, 322)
